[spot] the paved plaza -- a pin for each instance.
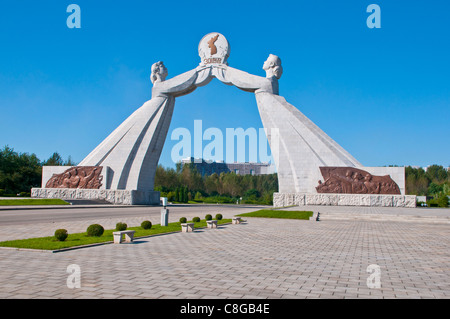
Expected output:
(261, 258)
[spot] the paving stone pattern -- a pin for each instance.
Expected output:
(257, 259)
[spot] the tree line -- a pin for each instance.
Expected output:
(432, 182)
(19, 172)
(184, 183)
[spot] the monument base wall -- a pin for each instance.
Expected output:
(116, 197)
(302, 199)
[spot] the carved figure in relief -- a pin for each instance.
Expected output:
(372, 187)
(77, 177)
(350, 180)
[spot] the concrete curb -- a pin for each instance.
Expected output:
(98, 244)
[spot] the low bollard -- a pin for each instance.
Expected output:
(164, 217)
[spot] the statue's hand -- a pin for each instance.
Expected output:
(221, 66)
(202, 67)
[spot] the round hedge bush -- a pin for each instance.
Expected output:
(208, 217)
(196, 219)
(146, 224)
(121, 226)
(219, 216)
(183, 220)
(61, 234)
(95, 230)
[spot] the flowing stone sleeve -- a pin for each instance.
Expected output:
(139, 137)
(300, 147)
(243, 80)
(180, 85)
(132, 150)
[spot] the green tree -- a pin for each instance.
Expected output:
(417, 181)
(252, 194)
(185, 182)
(437, 174)
(54, 160)
(198, 196)
(446, 188)
(19, 172)
(435, 189)
(70, 162)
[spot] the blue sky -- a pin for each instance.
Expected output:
(382, 94)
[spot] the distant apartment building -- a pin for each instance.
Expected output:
(210, 167)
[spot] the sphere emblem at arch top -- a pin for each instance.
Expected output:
(213, 49)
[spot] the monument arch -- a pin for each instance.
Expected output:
(126, 160)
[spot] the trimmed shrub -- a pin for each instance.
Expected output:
(208, 217)
(196, 219)
(95, 230)
(183, 220)
(121, 226)
(61, 234)
(146, 224)
(219, 216)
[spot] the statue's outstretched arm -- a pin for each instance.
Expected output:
(243, 80)
(176, 86)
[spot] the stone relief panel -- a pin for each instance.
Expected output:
(350, 180)
(84, 177)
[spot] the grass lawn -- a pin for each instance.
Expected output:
(32, 201)
(80, 239)
(288, 214)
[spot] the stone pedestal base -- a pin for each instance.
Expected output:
(117, 197)
(301, 199)
(164, 217)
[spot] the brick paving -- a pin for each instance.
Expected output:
(276, 259)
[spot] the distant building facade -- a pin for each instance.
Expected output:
(206, 168)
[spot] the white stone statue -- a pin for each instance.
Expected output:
(253, 83)
(158, 72)
(299, 147)
(273, 67)
(132, 150)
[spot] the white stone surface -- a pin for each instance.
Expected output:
(119, 235)
(117, 197)
(211, 223)
(49, 171)
(299, 147)
(236, 220)
(132, 150)
(164, 216)
(304, 199)
(187, 227)
(396, 173)
(302, 146)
